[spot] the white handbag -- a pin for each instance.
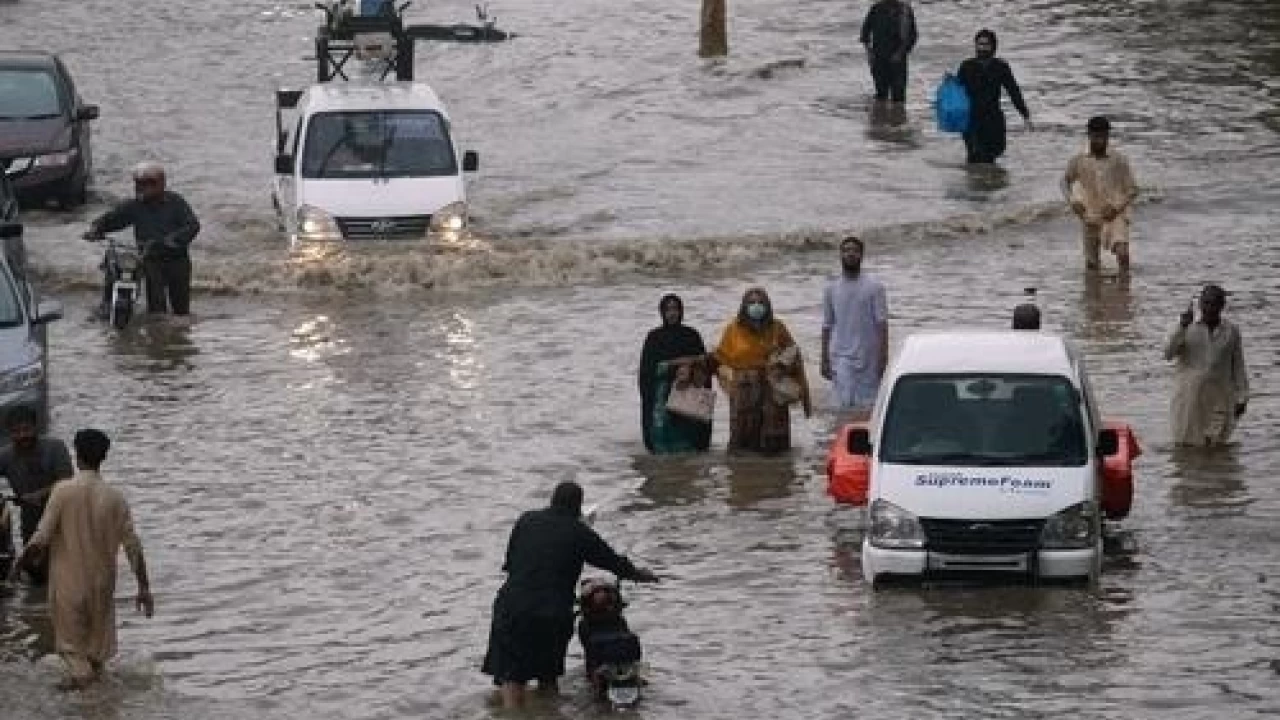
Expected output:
(692, 402)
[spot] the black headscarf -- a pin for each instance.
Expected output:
(666, 342)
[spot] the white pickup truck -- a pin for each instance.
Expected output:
(367, 162)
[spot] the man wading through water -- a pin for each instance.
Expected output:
(889, 36)
(985, 77)
(83, 528)
(855, 331)
(164, 226)
(33, 465)
(533, 612)
(1212, 384)
(1100, 187)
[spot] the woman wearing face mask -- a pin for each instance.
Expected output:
(760, 368)
(673, 352)
(984, 76)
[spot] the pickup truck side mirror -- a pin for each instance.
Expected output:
(284, 164)
(87, 112)
(860, 441)
(10, 230)
(470, 161)
(1108, 442)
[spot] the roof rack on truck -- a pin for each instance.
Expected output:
(374, 32)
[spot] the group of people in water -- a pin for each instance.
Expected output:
(759, 366)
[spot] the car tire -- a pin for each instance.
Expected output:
(73, 193)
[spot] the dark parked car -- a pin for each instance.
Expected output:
(44, 128)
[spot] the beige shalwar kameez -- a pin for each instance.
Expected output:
(1098, 183)
(84, 526)
(1211, 381)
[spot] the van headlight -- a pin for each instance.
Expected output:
(1075, 528)
(316, 225)
(894, 528)
(451, 218)
(21, 378)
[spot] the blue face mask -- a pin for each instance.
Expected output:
(755, 311)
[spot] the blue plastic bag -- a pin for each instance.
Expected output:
(952, 105)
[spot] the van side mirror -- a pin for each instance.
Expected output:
(470, 161)
(87, 112)
(1108, 442)
(284, 164)
(47, 311)
(10, 230)
(860, 441)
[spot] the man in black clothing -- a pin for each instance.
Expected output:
(984, 76)
(164, 226)
(32, 464)
(889, 34)
(533, 612)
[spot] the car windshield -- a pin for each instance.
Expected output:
(976, 420)
(28, 94)
(357, 145)
(10, 308)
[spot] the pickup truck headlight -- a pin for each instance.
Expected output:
(1075, 528)
(894, 528)
(316, 225)
(21, 378)
(451, 218)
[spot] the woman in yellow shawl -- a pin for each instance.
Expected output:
(760, 369)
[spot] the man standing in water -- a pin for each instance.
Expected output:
(889, 36)
(533, 612)
(85, 525)
(33, 465)
(985, 76)
(164, 226)
(1100, 186)
(855, 331)
(1212, 382)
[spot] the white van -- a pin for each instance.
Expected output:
(367, 162)
(986, 455)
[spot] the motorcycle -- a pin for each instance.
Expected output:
(611, 651)
(122, 272)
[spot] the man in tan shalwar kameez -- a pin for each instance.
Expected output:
(1212, 382)
(1100, 187)
(84, 526)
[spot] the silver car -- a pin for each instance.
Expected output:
(24, 356)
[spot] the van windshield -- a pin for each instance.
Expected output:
(378, 144)
(28, 95)
(975, 419)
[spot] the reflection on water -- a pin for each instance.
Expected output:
(1209, 478)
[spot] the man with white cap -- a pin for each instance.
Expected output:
(164, 226)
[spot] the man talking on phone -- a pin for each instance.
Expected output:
(1212, 383)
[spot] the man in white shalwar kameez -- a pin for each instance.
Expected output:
(1212, 387)
(84, 526)
(1100, 187)
(855, 331)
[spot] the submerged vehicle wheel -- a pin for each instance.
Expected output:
(122, 315)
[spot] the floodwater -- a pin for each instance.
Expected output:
(324, 465)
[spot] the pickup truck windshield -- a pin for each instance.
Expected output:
(378, 144)
(977, 420)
